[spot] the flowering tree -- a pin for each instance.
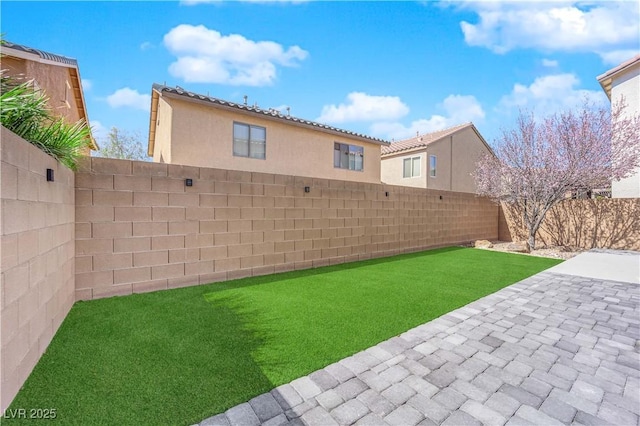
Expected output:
(123, 145)
(539, 163)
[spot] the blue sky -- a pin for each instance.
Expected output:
(387, 69)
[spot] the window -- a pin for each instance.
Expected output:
(411, 167)
(432, 165)
(348, 157)
(249, 141)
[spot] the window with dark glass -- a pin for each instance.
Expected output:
(432, 165)
(350, 157)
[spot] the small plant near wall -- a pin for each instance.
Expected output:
(25, 112)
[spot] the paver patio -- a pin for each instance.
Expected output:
(551, 349)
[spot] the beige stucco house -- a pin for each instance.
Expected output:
(618, 82)
(58, 76)
(443, 160)
(191, 129)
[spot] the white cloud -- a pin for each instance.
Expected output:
(363, 107)
(616, 57)
(570, 26)
(549, 63)
(206, 56)
(127, 97)
(146, 45)
(549, 94)
(458, 109)
(98, 130)
(86, 84)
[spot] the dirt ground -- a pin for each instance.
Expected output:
(556, 252)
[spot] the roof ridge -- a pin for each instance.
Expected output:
(43, 54)
(424, 139)
(437, 131)
(267, 112)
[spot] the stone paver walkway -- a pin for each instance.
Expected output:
(552, 349)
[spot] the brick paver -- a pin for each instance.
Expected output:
(551, 349)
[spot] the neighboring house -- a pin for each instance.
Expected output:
(440, 160)
(618, 82)
(57, 76)
(190, 129)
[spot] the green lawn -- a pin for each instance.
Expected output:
(179, 356)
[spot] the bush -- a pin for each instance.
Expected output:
(25, 112)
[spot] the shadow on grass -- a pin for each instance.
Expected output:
(147, 360)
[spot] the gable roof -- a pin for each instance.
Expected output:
(36, 55)
(606, 79)
(421, 141)
(162, 90)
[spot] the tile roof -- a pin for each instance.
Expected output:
(422, 140)
(263, 112)
(41, 53)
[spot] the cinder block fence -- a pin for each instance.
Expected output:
(37, 251)
(140, 227)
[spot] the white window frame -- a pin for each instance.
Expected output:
(354, 159)
(433, 166)
(412, 162)
(251, 142)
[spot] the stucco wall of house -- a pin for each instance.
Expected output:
(442, 150)
(392, 169)
(627, 85)
(202, 135)
(163, 137)
(468, 149)
(53, 79)
(456, 161)
(139, 228)
(38, 249)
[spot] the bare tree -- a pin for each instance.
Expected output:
(123, 145)
(539, 163)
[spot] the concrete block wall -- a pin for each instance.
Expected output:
(592, 223)
(140, 228)
(37, 250)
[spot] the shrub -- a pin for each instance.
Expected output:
(25, 112)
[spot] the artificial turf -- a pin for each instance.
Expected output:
(179, 356)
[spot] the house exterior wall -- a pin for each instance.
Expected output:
(139, 228)
(468, 149)
(456, 156)
(202, 135)
(164, 135)
(53, 79)
(38, 249)
(627, 84)
(442, 150)
(392, 170)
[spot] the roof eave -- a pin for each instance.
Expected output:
(411, 150)
(76, 82)
(153, 116)
(606, 79)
